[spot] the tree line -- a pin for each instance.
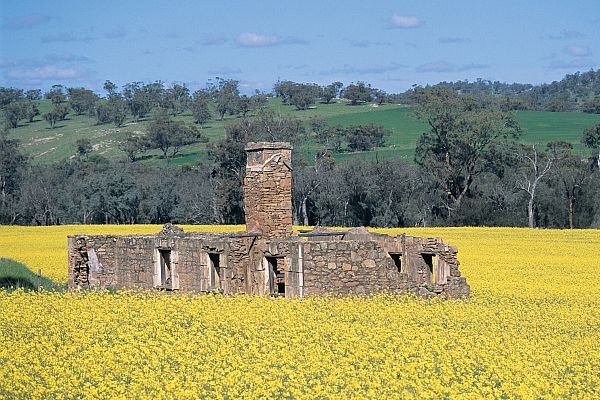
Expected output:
(158, 105)
(575, 92)
(138, 100)
(468, 169)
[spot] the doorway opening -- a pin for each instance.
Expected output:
(430, 261)
(276, 276)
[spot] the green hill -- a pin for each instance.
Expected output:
(45, 144)
(538, 127)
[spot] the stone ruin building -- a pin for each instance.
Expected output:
(268, 258)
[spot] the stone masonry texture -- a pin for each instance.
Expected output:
(268, 259)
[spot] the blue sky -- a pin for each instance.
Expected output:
(390, 44)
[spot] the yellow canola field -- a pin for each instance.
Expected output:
(530, 331)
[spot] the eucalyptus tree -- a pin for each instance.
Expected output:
(331, 91)
(591, 138)
(82, 100)
(13, 164)
(462, 131)
(359, 92)
(535, 167)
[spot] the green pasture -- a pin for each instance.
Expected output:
(44, 144)
(544, 126)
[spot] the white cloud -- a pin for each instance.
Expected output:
(578, 51)
(574, 63)
(224, 71)
(444, 66)
(25, 21)
(251, 39)
(400, 21)
(363, 70)
(45, 72)
(564, 34)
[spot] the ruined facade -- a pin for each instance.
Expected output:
(268, 259)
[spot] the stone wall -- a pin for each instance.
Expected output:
(443, 276)
(267, 258)
(100, 262)
(92, 261)
(360, 262)
(350, 267)
(268, 189)
(111, 261)
(356, 262)
(133, 262)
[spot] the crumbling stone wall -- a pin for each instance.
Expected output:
(239, 257)
(444, 277)
(268, 189)
(289, 254)
(79, 263)
(132, 264)
(315, 263)
(103, 261)
(88, 256)
(106, 261)
(361, 262)
(350, 267)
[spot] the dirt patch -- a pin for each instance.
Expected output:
(104, 132)
(42, 140)
(105, 146)
(43, 153)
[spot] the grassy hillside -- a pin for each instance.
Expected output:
(537, 126)
(45, 144)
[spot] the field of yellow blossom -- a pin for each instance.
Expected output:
(530, 331)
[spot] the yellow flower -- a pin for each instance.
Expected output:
(530, 330)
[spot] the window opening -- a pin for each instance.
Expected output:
(430, 261)
(276, 276)
(215, 271)
(397, 257)
(165, 268)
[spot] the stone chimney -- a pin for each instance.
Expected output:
(268, 189)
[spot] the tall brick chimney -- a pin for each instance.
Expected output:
(268, 189)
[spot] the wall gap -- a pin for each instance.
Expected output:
(166, 271)
(215, 271)
(276, 276)
(397, 258)
(430, 261)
